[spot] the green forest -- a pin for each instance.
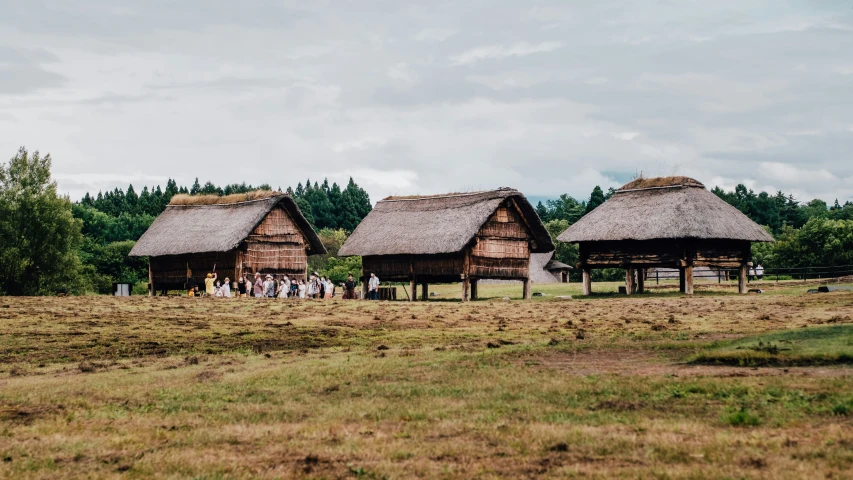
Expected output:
(49, 244)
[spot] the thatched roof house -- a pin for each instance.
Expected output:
(452, 237)
(664, 222)
(260, 232)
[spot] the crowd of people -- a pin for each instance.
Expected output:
(283, 286)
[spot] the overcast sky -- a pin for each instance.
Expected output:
(430, 97)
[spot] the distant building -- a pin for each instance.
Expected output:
(451, 238)
(669, 222)
(258, 232)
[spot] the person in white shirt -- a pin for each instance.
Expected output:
(301, 289)
(330, 288)
(373, 287)
(759, 271)
(286, 290)
(226, 288)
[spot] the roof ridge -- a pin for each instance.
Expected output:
(227, 204)
(445, 195)
(679, 185)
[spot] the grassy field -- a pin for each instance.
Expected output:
(602, 387)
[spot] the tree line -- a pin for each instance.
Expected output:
(49, 244)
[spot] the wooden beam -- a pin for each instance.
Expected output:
(413, 287)
(526, 289)
(364, 280)
(474, 291)
(741, 278)
(587, 281)
(629, 281)
(688, 280)
(641, 280)
(424, 291)
(466, 288)
(150, 280)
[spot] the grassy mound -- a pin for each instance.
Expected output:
(832, 345)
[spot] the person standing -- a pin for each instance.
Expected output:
(302, 289)
(269, 287)
(258, 290)
(241, 287)
(322, 283)
(226, 288)
(210, 284)
(349, 288)
(759, 271)
(373, 287)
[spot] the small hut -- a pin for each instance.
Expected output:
(670, 222)
(450, 238)
(558, 270)
(258, 232)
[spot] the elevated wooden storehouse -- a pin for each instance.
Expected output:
(450, 238)
(669, 222)
(259, 232)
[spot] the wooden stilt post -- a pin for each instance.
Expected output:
(466, 288)
(413, 286)
(150, 280)
(682, 285)
(526, 291)
(741, 278)
(424, 291)
(629, 281)
(641, 280)
(688, 280)
(587, 281)
(364, 280)
(474, 292)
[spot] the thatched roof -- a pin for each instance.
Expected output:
(554, 265)
(664, 208)
(203, 224)
(435, 224)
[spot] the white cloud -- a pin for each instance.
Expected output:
(521, 49)
(627, 136)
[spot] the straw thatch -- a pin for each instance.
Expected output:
(205, 224)
(555, 266)
(437, 224)
(664, 208)
(183, 199)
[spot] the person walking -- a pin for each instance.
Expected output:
(373, 287)
(759, 271)
(322, 283)
(210, 284)
(349, 288)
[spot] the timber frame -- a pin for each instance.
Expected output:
(636, 256)
(500, 250)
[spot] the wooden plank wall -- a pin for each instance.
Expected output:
(502, 246)
(276, 246)
(664, 253)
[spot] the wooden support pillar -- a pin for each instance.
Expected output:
(424, 291)
(688, 280)
(682, 284)
(474, 292)
(741, 278)
(364, 280)
(641, 280)
(629, 281)
(587, 281)
(466, 288)
(413, 287)
(150, 280)
(527, 293)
